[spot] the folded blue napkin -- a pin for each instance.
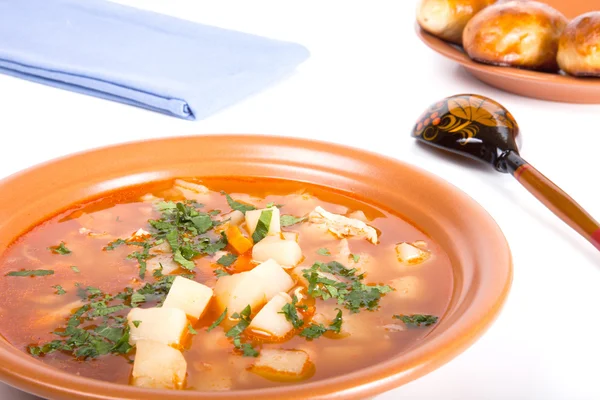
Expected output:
(138, 57)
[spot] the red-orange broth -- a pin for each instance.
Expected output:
(31, 310)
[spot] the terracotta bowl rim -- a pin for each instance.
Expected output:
(454, 53)
(24, 372)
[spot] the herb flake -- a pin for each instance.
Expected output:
(31, 272)
(60, 249)
(417, 320)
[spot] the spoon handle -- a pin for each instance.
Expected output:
(554, 198)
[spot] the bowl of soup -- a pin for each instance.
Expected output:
(238, 267)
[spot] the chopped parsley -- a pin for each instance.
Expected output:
(136, 323)
(75, 269)
(235, 205)
(141, 257)
(217, 321)
(349, 290)
(227, 260)
(157, 273)
(236, 331)
(289, 220)
(31, 272)
(314, 331)
(248, 350)
(191, 330)
(114, 244)
(355, 257)
(336, 324)
(184, 227)
(291, 313)
(60, 249)
(219, 272)
(323, 252)
(417, 320)
(263, 225)
(99, 327)
(165, 205)
(59, 290)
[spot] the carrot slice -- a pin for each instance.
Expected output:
(237, 240)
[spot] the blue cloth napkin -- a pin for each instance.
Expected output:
(138, 57)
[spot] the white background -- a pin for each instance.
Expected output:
(367, 80)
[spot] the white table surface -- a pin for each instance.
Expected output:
(366, 81)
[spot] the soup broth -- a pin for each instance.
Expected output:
(299, 283)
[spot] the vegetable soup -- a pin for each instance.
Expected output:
(221, 284)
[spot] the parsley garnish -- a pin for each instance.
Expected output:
(75, 269)
(114, 244)
(137, 323)
(289, 220)
(165, 205)
(181, 226)
(158, 272)
(31, 272)
(262, 226)
(99, 327)
(355, 257)
(141, 257)
(291, 313)
(336, 324)
(217, 321)
(227, 260)
(60, 249)
(236, 331)
(416, 320)
(314, 331)
(235, 205)
(59, 290)
(248, 350)
(219, 272)
(350, 291)
(191, 330)
(323, 252)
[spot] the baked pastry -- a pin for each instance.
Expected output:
(579, 46)
(521, 34)
(446, 19)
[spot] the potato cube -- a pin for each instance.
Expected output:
(240, 290)
(409, 254)
(158, 366)
(291, 236)
(253, 216)
(164, 261)
(273, 277)
(286, 252)
(283, 364)
(164, 325)
(189, 296)
(269, 321)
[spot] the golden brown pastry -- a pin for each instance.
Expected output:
(446, 19)
(521, 34)
(579, 46)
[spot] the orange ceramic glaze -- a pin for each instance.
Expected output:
(476, 248)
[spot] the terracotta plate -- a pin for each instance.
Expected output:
(540, 85)
(477, 249)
